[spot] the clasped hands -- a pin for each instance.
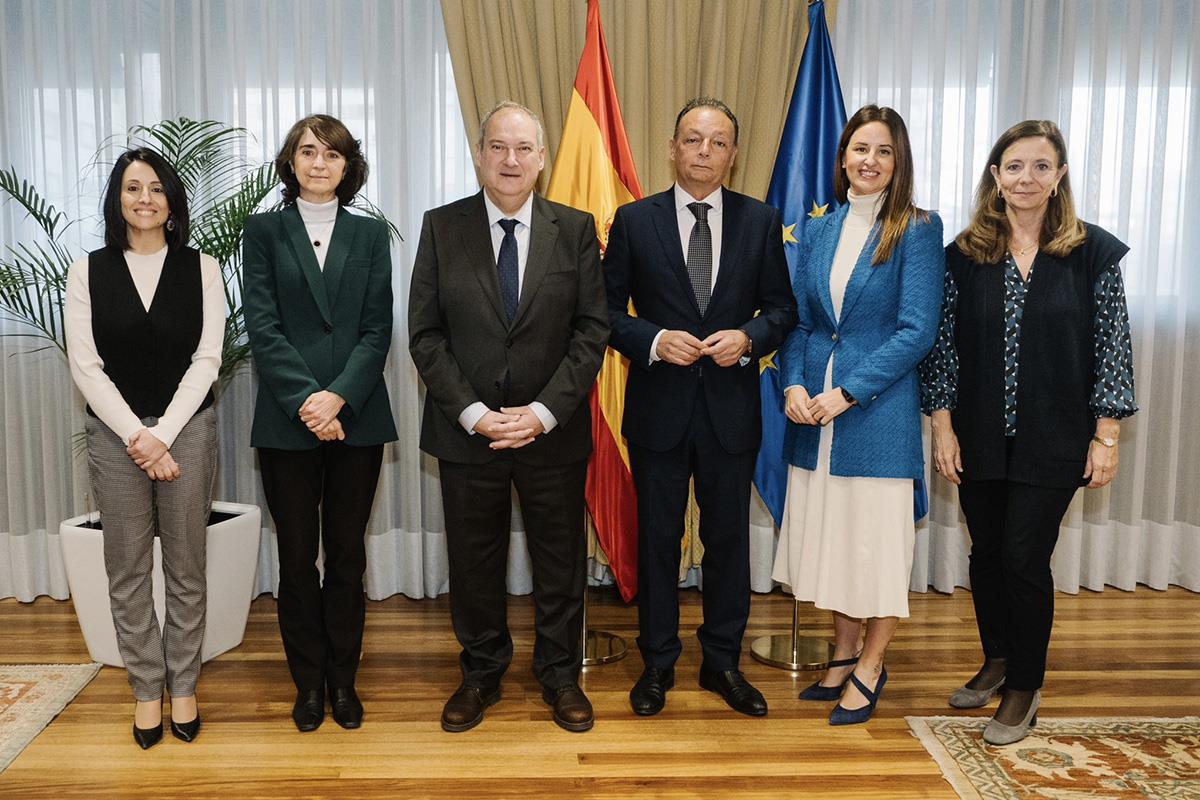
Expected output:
(152, 456)
(510, 428)
(819, 410)
(682, 348)
(319, 414)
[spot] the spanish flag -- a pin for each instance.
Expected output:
(593, 171)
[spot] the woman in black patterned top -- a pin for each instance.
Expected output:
(1030, 375)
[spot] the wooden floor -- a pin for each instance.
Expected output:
(1113, 653)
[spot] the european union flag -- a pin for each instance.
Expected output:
(801, 187)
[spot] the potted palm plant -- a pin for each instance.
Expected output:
(223, 189)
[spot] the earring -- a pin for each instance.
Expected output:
(170, 223)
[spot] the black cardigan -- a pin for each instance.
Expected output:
(1056, 372)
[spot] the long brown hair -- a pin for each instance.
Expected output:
(985, 239)
(898, 209)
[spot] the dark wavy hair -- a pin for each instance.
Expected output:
(333, 134)
(898, 209)
(116, 230)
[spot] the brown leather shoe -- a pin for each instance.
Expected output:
(572, 711)
(464, 710)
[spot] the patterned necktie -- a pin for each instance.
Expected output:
(699, 255)
(506, 267)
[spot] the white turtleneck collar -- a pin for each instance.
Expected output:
(864, 208)
(317, 212)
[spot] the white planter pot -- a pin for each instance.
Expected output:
(232, 563)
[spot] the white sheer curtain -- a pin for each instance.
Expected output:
(1121, 79)
(73, 74)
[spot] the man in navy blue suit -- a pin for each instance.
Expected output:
(706, 272)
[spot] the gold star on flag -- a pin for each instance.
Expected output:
(818, 211)
(788, 236)
(767, 362)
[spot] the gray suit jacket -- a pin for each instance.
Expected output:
(465, 349)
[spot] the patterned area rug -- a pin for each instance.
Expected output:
(30, 696)
(1088, 758)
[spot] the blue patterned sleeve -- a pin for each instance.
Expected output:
(939, 370)
(1112, 395)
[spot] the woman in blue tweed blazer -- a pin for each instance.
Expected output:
(869, 290)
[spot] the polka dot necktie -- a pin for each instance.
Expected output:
(699, 255)
(506, 268)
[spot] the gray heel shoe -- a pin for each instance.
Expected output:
(999, 733)
(975, 698)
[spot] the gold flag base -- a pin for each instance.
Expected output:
(791, 650)
(602, 647)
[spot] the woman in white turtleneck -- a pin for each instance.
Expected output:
(144, 319)
(868, 287)
(318, 300)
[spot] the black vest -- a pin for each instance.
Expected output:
(1055, 374)
(146, 353)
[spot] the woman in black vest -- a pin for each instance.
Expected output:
(145, 320)
(1031, 373)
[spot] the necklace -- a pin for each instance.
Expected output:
(1021, 251)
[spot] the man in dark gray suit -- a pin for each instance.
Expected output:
(507, 327)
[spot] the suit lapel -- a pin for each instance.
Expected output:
(732, 233)
(542, 236)
(340, 239)
(477, 242)
(667, 225)
(828, 245)
(297, 237)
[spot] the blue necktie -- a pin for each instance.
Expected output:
(506, 267)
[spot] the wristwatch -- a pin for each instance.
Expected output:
(1107, 441)
(849, 398)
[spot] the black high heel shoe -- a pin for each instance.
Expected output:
(819, 692)
(186, 731)
(148, 737)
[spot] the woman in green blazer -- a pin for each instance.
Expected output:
(318, 303)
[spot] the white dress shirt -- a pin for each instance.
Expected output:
(87, 368)
(471, 415)
(686, 221)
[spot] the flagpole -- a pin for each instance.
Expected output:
(599, 647)
(792, 651)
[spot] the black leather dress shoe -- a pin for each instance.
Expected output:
(186, 731)
(347, 708)
(309, 711)
(736, 691)
(148, 737)
(464, 710)
(572, 709)
(649, 694)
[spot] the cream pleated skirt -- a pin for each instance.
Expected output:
(846, 544)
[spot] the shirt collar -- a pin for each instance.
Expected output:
(524, 214)
(682, 199)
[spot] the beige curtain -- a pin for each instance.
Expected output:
(663, 52)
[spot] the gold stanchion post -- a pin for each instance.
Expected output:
(599, 647)
(792, 651)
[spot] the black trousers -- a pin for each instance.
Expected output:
(322, 495)
(722, 485)
(1014, 528)
(477, 499)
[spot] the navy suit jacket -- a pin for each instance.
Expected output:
(888, 324)
(644, 262)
